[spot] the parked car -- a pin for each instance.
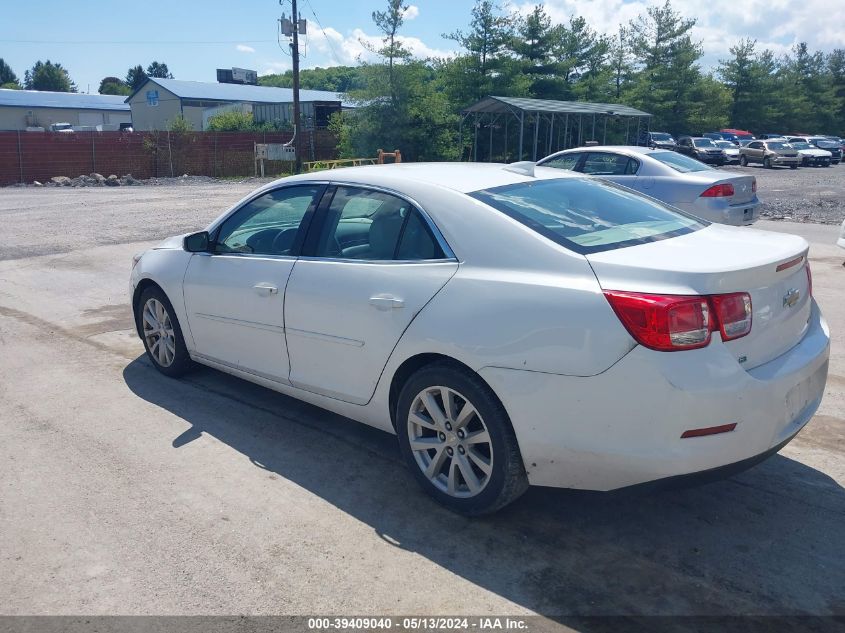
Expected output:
(731, 150)
(511, 329)
(822, 143)
(841, 241)
(769, 154)
(718, 136)
(809, 154)
(65, 128)
(770, 136)
(663, 140)
(685, 183)
(703, 149)
(739, 134)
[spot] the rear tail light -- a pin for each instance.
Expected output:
(809, 280)
(663, 322)
(670, 323)
(733, 314)
(753, 185)
(723, 190)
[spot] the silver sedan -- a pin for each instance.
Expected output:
(692, 186)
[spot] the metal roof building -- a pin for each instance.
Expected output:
(20, 109)
(564, 124)
(158, 101)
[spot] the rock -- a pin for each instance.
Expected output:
(62, 181)
(97, 177)
(37, 184)
(112, 181)
(129, 180)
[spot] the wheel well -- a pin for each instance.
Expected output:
(136, 297)
(408, 368)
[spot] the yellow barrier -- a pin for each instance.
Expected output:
(317, 165)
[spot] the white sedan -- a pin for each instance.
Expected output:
(716, 195)
(511, 329)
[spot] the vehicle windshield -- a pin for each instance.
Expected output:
(661, 136)
(588, 215)
(726, 144)
(777, 145)
(703, 142)
(799, 145)
(679, 162)
(826, 144)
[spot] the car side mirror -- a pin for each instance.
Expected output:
(196, 242)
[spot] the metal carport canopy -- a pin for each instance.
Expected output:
(504, 104)
(490, 108)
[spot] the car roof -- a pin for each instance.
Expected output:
(628, 150)
(460, 177)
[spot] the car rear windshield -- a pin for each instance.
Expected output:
(586, 215)
(826, 144)
(679, 162)
(703, 142)
(777, 145)
(661, 136)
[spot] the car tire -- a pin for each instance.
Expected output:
(767, 163)
(743, 161)
(794, 166)
(162, 336)
(469, 448)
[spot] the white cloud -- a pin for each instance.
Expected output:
(243, 48)
(411, 12)
(359, 46)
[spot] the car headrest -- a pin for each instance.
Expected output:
(384, 232)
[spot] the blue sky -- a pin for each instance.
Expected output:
(96, 39)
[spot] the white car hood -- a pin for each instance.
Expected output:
(815, 152)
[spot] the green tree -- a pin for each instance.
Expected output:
(179, 124)
(389, 22)
(533, 44)
(334, 79)
(48, 76)
(666, 60)
(135, 77)
(8, 78)
(809, 98)
(158, 70)
(750, 79)
(113, 86)
(836, 71)
(485, 59)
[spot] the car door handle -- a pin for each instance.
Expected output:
(265, 290)
(386, 302)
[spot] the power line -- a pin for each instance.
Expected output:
(323, 31)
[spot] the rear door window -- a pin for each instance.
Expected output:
(588, 215)
(564, 161)
(606, 164)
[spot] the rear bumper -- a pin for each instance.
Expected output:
(623, 427)
(718, 210)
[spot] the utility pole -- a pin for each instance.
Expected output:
(297, 127)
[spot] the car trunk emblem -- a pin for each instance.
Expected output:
(791, 297)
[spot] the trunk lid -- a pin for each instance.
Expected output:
(743, 188)
(721, 259)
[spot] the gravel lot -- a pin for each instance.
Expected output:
(808, 194)
(124, 492)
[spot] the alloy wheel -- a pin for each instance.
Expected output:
(450, 442)
(158, 332)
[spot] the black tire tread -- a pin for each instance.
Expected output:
(182, 362)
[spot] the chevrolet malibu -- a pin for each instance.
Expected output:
(511, 329)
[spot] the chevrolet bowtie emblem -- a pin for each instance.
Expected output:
(791, 297)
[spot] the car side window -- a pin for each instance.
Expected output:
(565, 161)
(374, 225)
(605, 164)
(269, 224)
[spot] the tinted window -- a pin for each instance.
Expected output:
(372, 225)
(703, 142)
(604, 164)
(268, 225)
(777, 146)
(679, 162)
(660, 136)
(564, 161)
(755, 145)
(587, 215)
